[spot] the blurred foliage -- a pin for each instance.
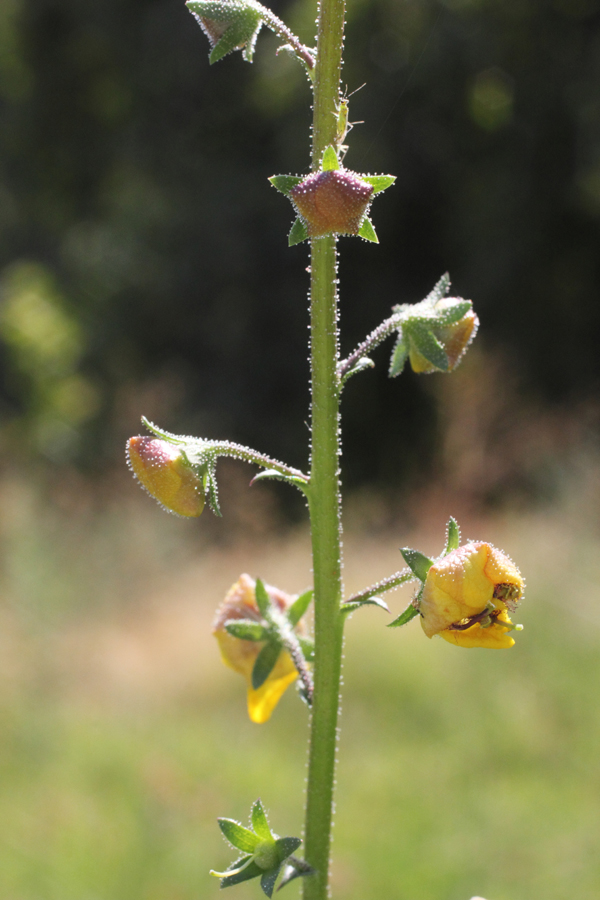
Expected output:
(140, 238)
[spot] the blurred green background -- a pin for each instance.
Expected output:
(144, 269)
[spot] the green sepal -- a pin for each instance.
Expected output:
(298, 233)
(286, 846)
(210, 486)
(239, 837)
(356, 604)
(285, 183)
(428, 345)
(417, 562)
(268, 879)
(246, 630)
(307, 645)
(165, 435)
(440, 289)
(242, 32)
(379, 182)
(454, 312)
(240, 23)
(367, 231)
(409, 613)
(399, 356)
(260, 822)
(452, 536)
(330, 160)
(299, 607)
(251, 871)
(363, 363)
(265, 663)
(295, 868)
(262, 599)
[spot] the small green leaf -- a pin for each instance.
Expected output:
(330, 160)
(452, 535)
(267, 882)
(363, 363)
(295, 868)
(399, 356)
(409, 613)
(265, 663)
(367, 231)
(285, 183)
(428, 345)
(299, 607)
(259, 821)
(307, 645)
(379, 182)
(251, 871)
(296, 480)
(262, 598)
(246, 630)
(417, 562)
(239, 837)
(298, 233)
(371, 601)
(286, 846)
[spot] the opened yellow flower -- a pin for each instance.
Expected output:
(240, 655)
(165, 472)
(467, 597)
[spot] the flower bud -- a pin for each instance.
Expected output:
(454, 338)
(332, 202)
(164, 471)
(240, 655)
(468, 594)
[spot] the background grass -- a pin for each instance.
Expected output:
(122, 737)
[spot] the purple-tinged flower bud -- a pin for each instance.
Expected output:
(332, 202)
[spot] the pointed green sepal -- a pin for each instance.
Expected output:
(399, 356)
(330, 160)
(452, 535)
(417, 562)
(228, 26)
(211, 489)
(367, 231)
(286, 846)
(298, 233)
(409, 613)
(239, 837)
(428, 345)
(265, 663)
(351, 605)
(267, 881)
(299, 607)
(379, 182)
(440, 289)
(259, 821)
(262, 599)
(246, 630)
(285, 183)
(242, 872)
(452, 312)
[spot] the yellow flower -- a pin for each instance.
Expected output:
(240, 655)
(467, 597)
(163, 469)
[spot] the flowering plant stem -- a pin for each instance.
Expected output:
(324, 494)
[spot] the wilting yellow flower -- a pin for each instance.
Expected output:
(240, 655)
(167, 475)
(468, 595)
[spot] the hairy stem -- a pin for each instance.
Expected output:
(386, 584)
(377, 336)
(323, 494)
(281, 29)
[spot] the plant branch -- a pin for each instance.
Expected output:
(386, 584)
(281, 29)
(377, 336)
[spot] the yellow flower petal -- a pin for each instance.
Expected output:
(166, 474)
(262, 702)
(494, 637)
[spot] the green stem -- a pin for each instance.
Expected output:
(323, 494)
(386, 584)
